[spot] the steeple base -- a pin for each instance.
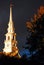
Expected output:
(12, 54)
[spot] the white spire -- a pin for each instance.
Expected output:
(11, 13)
(10, 25)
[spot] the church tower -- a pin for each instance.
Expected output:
(10, 44)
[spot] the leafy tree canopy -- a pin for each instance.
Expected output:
(36, 27)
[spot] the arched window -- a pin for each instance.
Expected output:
(8, 37)
(13, 37)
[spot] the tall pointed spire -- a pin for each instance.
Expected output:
(10, 25)
(10, 12)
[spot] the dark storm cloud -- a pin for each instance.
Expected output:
(22, 11)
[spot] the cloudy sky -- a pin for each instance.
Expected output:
(22, 11)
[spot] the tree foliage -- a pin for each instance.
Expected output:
(36, 27)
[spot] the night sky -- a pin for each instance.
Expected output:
(22, 11)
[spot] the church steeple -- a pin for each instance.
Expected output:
(11, 42)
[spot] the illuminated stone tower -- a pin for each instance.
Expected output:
(10, 44)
